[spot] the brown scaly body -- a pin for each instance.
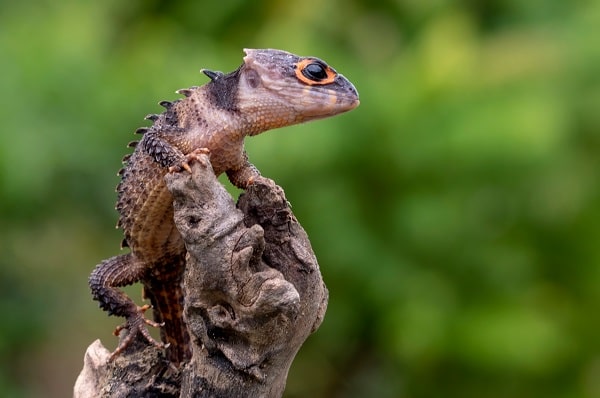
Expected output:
(270, 89)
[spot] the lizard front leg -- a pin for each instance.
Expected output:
(243, 176)
(169, 155)
(119, 271)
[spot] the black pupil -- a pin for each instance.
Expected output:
(314, 71)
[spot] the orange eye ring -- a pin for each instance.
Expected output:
(314, 72)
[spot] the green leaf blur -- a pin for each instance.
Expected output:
(454, 213)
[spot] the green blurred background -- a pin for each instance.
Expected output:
(454, 213)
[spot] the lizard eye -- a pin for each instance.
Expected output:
(313, 71)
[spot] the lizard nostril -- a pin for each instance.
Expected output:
(352, 91)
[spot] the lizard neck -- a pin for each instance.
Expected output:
(244, 107)
(262, 118)
(210, 120)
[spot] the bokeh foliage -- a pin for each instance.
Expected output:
(454, 213)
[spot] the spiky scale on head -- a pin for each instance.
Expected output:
(212, 74)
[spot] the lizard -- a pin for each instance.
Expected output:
(271, 89)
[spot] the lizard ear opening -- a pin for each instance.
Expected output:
(314, 72)
(252, 78)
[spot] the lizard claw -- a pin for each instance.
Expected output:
(194, 156)
(137, 324)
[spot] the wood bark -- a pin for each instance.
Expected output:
(253, 293)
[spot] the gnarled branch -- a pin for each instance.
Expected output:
(253, 294)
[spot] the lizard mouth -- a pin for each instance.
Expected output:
(347, 91)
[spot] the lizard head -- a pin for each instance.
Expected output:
(281, 89)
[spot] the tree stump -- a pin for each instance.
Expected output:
(253, 294)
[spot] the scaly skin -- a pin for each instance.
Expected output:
(270, 89)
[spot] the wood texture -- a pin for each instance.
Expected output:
(252, 295)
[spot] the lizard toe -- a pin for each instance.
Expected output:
(197, 155)
(136, 324)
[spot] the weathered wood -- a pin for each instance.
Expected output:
(253, 294)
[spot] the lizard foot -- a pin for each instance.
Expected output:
(136, 323)
(194, 156)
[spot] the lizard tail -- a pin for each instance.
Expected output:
(166, 296)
